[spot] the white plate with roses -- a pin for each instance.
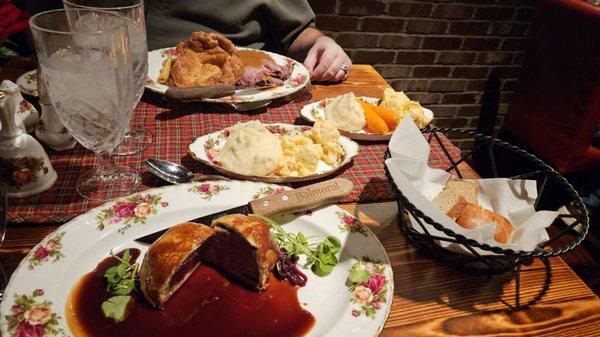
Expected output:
(353, 300)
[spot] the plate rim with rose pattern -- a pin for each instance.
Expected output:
(27, 82)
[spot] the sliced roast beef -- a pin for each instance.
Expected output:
(286, 71)
(276, 81)
(274, 70)
(251, 77)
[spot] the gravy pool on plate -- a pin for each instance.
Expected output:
(207, 303)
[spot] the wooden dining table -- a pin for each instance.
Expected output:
(430, 298)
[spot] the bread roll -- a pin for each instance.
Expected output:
(455, 194)
(459, 201)
(457, 208)
(473, 217)
(466, 189)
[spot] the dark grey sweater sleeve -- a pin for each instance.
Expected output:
(286, 20)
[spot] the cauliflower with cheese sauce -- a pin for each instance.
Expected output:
(399, 103)
(326, 134)
(302, 152)
(300, 156)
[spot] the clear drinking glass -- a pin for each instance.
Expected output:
(138, 138)
(86, 67)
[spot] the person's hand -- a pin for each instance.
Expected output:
(327, 62)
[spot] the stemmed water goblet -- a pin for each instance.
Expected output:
(137, 138)
(86, 67)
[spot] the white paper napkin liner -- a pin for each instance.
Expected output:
(407, 141)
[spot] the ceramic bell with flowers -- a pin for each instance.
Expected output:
(49, 129)
(24, 165)
(27, 114)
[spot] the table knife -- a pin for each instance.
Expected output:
(208, 91)
(296, 200)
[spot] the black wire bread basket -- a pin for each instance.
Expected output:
(494, 158)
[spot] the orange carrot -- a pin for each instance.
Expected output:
(374, 122)
(390, 117)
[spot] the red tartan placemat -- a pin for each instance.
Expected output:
(175, 126)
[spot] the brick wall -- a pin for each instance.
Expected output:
(439, 52)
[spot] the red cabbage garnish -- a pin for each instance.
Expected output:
(287, 268)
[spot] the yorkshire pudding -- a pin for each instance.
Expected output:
(206, 59)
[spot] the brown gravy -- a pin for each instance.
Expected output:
(207, 304)
(253, 58)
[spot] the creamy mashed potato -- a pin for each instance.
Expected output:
(345, 113)
(251, 149)
(399, 103)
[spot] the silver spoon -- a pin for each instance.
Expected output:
(175, 173)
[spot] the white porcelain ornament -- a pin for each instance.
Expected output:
(27, 115)
(49, 129)
(24, 165)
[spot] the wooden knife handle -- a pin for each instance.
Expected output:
(197, 93)
(304, 198)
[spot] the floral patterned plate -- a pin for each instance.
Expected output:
(206, 149)
(298, 80)
(28, 83)
(354, 300)
(312, 111)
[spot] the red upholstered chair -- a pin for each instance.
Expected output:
(555, 109)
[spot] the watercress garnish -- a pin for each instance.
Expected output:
(121, 278)
(121, 281)
(117, 307)
(326, 259)
(321, 257)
